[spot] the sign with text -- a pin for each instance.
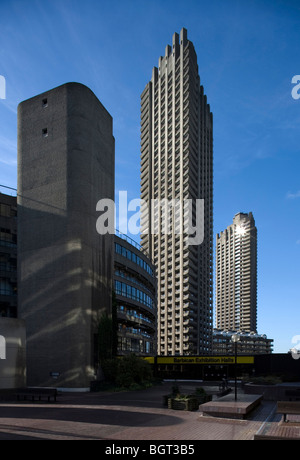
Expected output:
(2, 347)
(207, 360)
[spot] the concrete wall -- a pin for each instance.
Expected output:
(12, 353)
(65, 166)
(273, 392)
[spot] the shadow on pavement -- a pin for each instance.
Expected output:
(88, 415)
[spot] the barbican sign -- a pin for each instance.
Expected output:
(207, 360)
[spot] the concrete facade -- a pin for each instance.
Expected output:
(65, 166)
(236, 275)
(12, 353)
(177, 164)
(249, 343)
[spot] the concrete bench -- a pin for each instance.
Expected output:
(38, 393)
(226, 407)
(288, 408)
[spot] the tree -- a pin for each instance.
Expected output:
(105, 338)
(107, 333)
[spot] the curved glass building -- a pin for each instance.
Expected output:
(135, 291)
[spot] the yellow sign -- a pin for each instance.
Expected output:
(208, 360)
(149, 359)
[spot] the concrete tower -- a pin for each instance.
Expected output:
(236, 275)
(177, 164)
(65, 165)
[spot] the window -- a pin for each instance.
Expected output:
(5, 210)
(45, 102)
(133, 257)
(45, 132)
(118, 248)
(130, 292)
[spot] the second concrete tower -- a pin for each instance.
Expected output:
(65, 166)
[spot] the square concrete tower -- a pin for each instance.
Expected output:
(66, 165)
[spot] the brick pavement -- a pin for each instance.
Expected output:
(122, 416)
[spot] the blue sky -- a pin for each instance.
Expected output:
(248, 53)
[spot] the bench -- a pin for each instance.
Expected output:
(288, 408)
(38, 393)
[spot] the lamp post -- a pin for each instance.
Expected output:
(235, 339)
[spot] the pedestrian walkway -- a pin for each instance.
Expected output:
(126, 416)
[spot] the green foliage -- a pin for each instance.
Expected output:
(110, 369)
(105, 338)
(183, 402)
(181, 397)
(175, 389)
(199, 397)
(107, 333)
(200, 391)
(266, 380)
(114, 324)
(128, 372)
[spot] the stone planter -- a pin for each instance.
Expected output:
(166, 399)
(189, 404)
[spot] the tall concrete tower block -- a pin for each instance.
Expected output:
(177, 166)
(236, 275)
(66, 156)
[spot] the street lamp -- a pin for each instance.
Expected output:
(235, 339)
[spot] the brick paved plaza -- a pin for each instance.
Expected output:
(127, 416)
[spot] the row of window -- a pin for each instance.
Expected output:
(7, 211)
(134, 314)
(130, 255)
(7, 238)
(131, 279)
(8, 263)
(130, 292)
(133, 330)
(129, 345)
(7, 244)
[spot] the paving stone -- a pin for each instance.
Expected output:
(128, 416)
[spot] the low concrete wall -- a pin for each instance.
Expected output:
(271, 392)
(12, 353)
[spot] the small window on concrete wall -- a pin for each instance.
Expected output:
(45, 102)
(45, 132)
